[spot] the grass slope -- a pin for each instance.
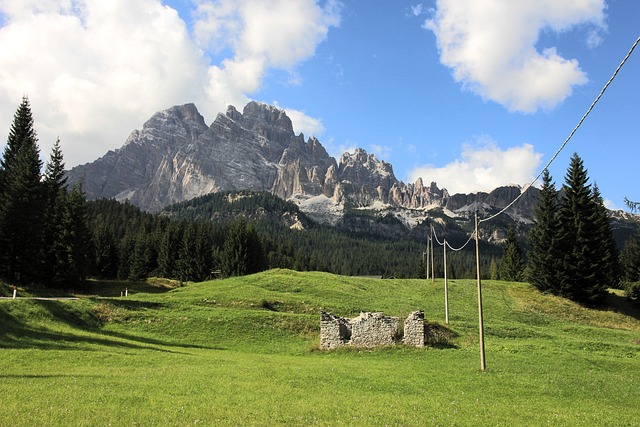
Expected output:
(244, 351)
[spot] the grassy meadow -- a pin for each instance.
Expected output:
(245, 351)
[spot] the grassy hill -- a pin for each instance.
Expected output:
(245, 351)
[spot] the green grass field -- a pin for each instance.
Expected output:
(245, 351)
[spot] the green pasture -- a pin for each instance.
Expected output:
(245, 351)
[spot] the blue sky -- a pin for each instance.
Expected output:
(471, 94)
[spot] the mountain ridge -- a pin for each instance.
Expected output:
(176, 157)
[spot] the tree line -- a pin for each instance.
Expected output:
(43, 232)
(50, 234)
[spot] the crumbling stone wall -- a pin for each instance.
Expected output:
(371, 330)
(334, 331)
(414, 329)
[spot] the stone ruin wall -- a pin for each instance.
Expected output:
(371, 330)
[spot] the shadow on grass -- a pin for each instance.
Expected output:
(18, 334)
(440, 336)
(621, 304)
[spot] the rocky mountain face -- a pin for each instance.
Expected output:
(176, 157)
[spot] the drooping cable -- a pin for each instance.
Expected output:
(566, 141)
(444, 242)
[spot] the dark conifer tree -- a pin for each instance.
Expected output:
(105, 251)
(76, 237)
(578, 239)
(126, 246)
(203, 257)
(186, 267)
(609, 271)
(54, 253)
(494, 272)
(630, 259)
(242, 251)
(544, 257)
(21, 201)
(512, 265)
(141, 256)
(168, 250)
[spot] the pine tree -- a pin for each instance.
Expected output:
(141, 256)
(609, 271)
(242, 252)
(104, 263)
(578, 239)
(544, 256)
(494, 273)
(76, 237)
(168, 250)
(630, 259)
(203, 257)
(512, 265)
(55, 192)
(21, 201)
(186, 261)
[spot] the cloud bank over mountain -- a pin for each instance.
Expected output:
(94, 70)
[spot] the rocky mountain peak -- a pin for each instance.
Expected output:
(360, 165)
(258, 116)
(176, 157)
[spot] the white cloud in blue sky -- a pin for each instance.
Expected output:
(491, 47)
(94, 70)
(483, 166)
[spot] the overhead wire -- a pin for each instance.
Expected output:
(564, 144)
(444, 242)
(566, 141)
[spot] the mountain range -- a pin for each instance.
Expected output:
(176, 156)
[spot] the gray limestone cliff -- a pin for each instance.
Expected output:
(176, 157)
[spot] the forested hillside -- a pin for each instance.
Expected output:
(195, 240)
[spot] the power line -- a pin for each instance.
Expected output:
(566, 141)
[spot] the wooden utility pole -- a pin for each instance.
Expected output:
(446, 286)
(427, 258)
(483, 363)
(433, 266)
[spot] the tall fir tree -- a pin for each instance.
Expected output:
(104, 262)
(512, 265)
(54, 262)
(76, 237)
(543, 258)
(204, 251)
(609, 271)
(168, 249)
(21, 201)
(186, 265)
(578, 239)
(242, 251)
(630, 259)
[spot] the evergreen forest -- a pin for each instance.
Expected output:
(52, 236)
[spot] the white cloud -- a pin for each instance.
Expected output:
(417, 9)
(483, 167)
(491, 48)
(94, 70)
(303, 123)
